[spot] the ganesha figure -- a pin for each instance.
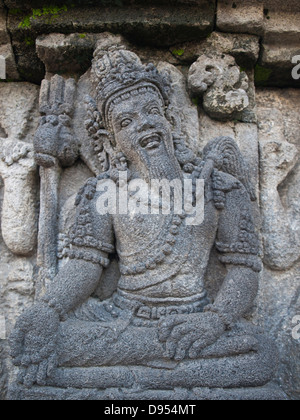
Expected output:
(160, 331)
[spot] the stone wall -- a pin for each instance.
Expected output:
(258, 37)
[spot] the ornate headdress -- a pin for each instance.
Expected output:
(119, 73)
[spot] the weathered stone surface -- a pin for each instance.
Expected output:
(277, 23)
(19, 111)
(221, 83)
(16, 292)
(69, 54)
(279, 149)
(182, 102)
(277, 64)
(268, 393)
(6, 49)
(282, 26)
(280, 43)
(280, 177)
(3, 377)
(244, 16)
(263, 40)
(244, 48)
(18, 103)
(140, 122)
(152, 24)
(4, 38)
(38, 3)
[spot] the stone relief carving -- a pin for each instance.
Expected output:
(278, 303)
(159, 330)
(18, 171)
(222, 84)
(56, 147)
(278, 159)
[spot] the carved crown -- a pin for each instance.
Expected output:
(118, 71)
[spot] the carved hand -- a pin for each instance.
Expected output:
(54, 140)
(33, 344)
(186, 335)
(16, 158)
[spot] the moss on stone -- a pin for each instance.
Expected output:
(51, 12)
(262, 74)
(178, 53)
(15, 12)
(29, 41)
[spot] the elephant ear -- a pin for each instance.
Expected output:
(228, 158)
(102, 141)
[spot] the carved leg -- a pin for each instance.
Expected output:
(102, 354)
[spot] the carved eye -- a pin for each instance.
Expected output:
(155, 111)
(126, 122)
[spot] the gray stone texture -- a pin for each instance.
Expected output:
(153, 24)
(278, 25)
(279, 144)
(224, 87)
(18, 104)
(256, 38)
(6, 50)
(239, 22)
(131, 341)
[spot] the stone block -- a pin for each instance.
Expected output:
(244, 48)
(9, 69)
(276, 65)
(241, 16)
(153, 25)
(4, 38)
(10, 63)
(66, 53)
(282, 27)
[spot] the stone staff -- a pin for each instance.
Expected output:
(55, 148)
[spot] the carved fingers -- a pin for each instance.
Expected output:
(186, 335)
(30, 374)
(179, 335)
(57, 96)
(33, 344)
(54, 139)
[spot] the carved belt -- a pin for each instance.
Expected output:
(144, 311)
